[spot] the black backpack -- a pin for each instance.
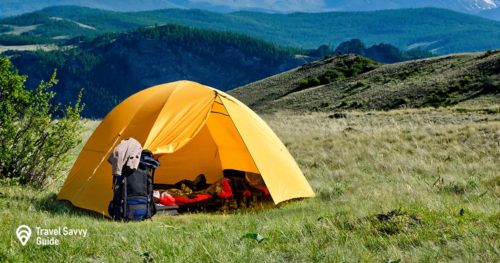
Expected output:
(133, 191)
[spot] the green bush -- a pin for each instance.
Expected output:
(314, 81)
(303, 83)
(35, 145)
(338, 73)
(309, 82)
(439, 98)
(487, 53)
(333, 75)
(490, 85)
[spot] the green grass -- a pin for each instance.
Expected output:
(409, 185)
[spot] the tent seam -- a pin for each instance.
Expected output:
(243, 139)
(202, 124)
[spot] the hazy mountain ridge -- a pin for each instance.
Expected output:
(405, 29)
(16, 7)
(468, 6)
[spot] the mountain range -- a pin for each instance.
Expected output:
(112, 55)
(466, 6)
(113, 66)
(405, 28)
(479, 7)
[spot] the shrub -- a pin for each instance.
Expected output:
(314, 81)
(439, 98)
(490, 85)
(396, 103)
(342, 104)
(334, 75)
(304, 83)
(35, 146)
(355, 104)
(352, 68)
(324, 104)
(308, 83)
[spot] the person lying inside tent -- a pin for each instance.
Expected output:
(191, 192)
(249, 189)
(236, 189)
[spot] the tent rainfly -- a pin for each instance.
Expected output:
(193, 129)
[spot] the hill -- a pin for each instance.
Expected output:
(17, 7)
(405, 28)
(353, 82)
(114, 66)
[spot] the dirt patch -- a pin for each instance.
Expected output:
(18, 30)
(394, 222)
(28, 48)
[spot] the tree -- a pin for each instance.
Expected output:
(35, 145)
(385, 53)
(353, 46)
(321, 51)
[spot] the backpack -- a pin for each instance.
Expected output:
(133, 191)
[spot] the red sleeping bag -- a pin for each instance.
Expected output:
(181, 200)
(226, 189)
(167, 200)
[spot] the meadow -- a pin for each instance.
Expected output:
(391, 186)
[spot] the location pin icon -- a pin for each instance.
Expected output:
(23, 233)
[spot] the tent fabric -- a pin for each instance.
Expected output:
(268, 152)
(192, 129)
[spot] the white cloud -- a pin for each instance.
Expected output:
(490, 3)
(275, 5)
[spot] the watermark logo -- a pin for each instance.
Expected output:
(48, 236)
(23, 233)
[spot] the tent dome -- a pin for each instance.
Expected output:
(193, 129)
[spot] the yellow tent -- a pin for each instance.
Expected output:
(192, 129)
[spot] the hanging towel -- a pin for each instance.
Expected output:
(128, 153)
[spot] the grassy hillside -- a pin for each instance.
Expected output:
(409, 185)
(114, 66)
(352, 82)
(405, 28)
